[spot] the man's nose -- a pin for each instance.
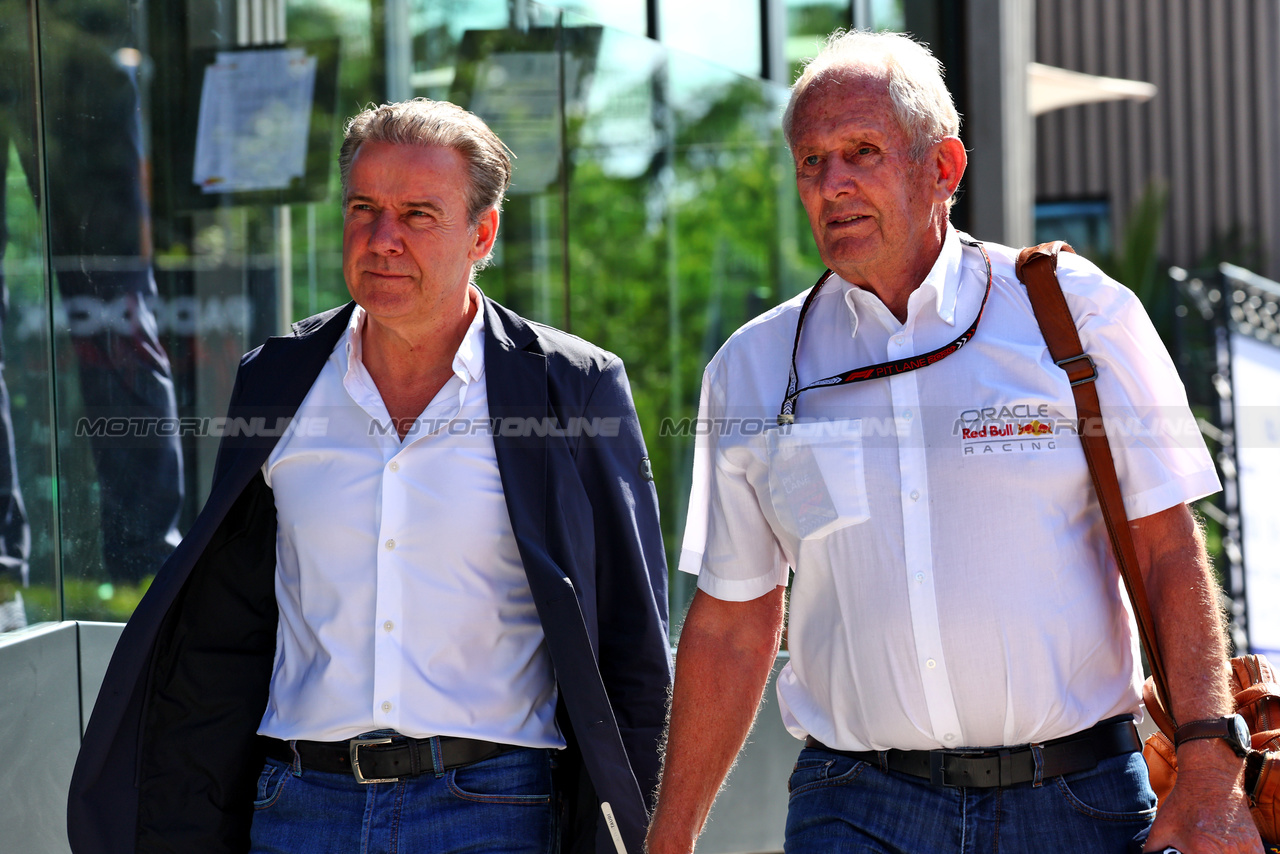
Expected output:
(385, 235)
(838, 178)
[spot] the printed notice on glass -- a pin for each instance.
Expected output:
(255, 115)
(518, 94)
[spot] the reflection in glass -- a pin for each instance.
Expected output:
(726, 32)
(629, 16)
(120, 460)
(25, 435)
(682, 225)
(809, 22)
(653, 212)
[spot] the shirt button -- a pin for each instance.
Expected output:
(951, 736)
(920, 580)
(390, 544)
(394, 466)
(388, 625)
(898, 340)
(386, 705)
(908, 415)
(931, 664)
(915, 495)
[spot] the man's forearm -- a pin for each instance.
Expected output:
(1188, 620)
(1207, 811)
(722, 666)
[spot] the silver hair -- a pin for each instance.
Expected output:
(921, 102)
(424, 122)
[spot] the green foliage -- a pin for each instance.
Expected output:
(1234, 246)
(664, 266)
(1135, 260)
(84, 599)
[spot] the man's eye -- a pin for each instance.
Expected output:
(812, 160)
(865, 149)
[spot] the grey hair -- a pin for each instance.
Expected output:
(921, 102)
(424, 122)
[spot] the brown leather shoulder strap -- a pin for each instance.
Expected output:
(1037, 268)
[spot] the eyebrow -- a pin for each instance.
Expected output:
(431, 205)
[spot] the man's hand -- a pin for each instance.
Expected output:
(723, 661)
(1207, 812)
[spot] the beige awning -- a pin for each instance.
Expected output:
(1050, 88)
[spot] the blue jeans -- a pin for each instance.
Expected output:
(505, 804)
(838, 804)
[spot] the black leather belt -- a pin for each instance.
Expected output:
(986, 768)
(384, 759)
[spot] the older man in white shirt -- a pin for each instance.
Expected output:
(892, 441)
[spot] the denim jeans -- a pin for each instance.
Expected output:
(838, 804)
(502, 804)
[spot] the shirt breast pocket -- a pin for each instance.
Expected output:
(816, 477)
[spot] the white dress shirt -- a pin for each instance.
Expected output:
(403, 600)
(953, 580)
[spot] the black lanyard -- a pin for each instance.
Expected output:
(884, 369)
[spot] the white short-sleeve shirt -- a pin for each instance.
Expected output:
(953, 583)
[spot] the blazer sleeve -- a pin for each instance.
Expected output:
(631, 570)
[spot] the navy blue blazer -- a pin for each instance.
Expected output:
(170, 757)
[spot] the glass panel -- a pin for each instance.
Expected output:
(652, 211)
(170, 265)
(887, 15)
(28, 560)
(629, 16)
(120, 466)
(683, 224)
(809, 22)
(726, 32)
(511, 77)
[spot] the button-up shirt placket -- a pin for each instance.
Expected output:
(917, 541)
(394, 523)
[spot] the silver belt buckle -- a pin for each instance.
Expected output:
(353, 748)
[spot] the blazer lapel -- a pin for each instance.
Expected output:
(284, 370)
(517, 385)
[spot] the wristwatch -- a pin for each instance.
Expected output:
(1232, 728)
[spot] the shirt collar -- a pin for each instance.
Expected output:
(938, 292)
(468, 362)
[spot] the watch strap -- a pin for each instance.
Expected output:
(1224, 728)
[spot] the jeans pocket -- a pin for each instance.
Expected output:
(817, 484)
(270, 784)
(1115, 790)
(516, 777)
(822, 770)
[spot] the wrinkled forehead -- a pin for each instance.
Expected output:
(845, 102)
(845, 80)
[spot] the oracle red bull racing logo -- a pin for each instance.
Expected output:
(1009, 429)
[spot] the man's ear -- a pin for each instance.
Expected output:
(950, 160)
(486, 232)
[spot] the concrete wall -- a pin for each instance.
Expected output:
(49, 675)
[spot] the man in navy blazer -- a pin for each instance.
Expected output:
(212, 731)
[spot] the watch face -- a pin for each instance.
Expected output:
(1240, 732)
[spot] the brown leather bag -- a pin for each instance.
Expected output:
(1257, 697)
(1253, 681)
